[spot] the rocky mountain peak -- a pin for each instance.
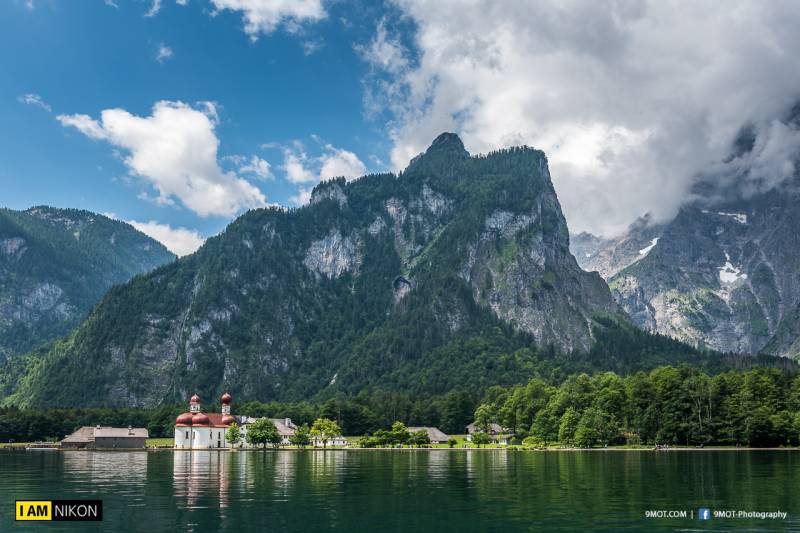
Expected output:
(449, 143)
(369, 283)
(332, 189)
(443, 157)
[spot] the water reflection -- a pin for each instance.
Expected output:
(89, 472)
(197, 474)
(437, 490)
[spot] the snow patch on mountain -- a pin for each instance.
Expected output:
(646, 249)
(729, 273)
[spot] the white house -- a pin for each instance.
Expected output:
(285, 427)
(335, 441)
(495, 432)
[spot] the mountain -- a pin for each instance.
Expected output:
(723, 274)
(608, 256)
(447, 275)
(56, 264)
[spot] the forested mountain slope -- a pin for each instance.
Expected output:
(56, 264)
(426, 281)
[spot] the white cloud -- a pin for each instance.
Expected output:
(163, 53)
(303, 170)
(155, 7)
(386, 55)
(254, 166)
(311, 46)
(34, 99)
(294, 164)
(264, 16)
(772, 161)
(630, 100)
(180, 241)
(384, 51)
(338, 162)
(85, 124)
(174, 150)
(302, 197)
(333, 163)
(111, 3)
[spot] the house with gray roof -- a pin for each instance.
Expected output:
(435, 435)
(496, 432)
(103, 437)
(286, 428)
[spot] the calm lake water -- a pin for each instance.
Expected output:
(417, 491)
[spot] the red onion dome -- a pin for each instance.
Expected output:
(184, 419)
(226, 399)
(227, 420)
(195, 399)
(199, 419)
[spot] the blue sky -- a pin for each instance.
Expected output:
(178, 115)
(292, 89)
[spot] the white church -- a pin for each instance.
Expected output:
(199, 430)
(196, 430)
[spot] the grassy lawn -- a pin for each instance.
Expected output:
(461, 442)
(159, 442)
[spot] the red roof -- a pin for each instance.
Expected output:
(216, 419)
(200, 419)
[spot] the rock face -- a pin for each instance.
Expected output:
(365, 284)
(609, 256)
(722, 274)
(725, 273)
(55, 264)
(333, 255)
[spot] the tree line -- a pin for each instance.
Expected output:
(263, 431)
(668, 405)
(359, 415)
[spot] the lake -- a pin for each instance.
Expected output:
(419, 491)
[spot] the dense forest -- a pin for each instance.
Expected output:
(667, 405)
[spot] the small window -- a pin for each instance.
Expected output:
(187, 434)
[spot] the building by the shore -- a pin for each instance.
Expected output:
(199, 430)
(435, 435)
(99, 437)
(286, 428)
(496, 433)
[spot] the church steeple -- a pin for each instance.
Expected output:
(227, 418)
(194, 404)
(226, 403)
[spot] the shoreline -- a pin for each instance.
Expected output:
(22, 448)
